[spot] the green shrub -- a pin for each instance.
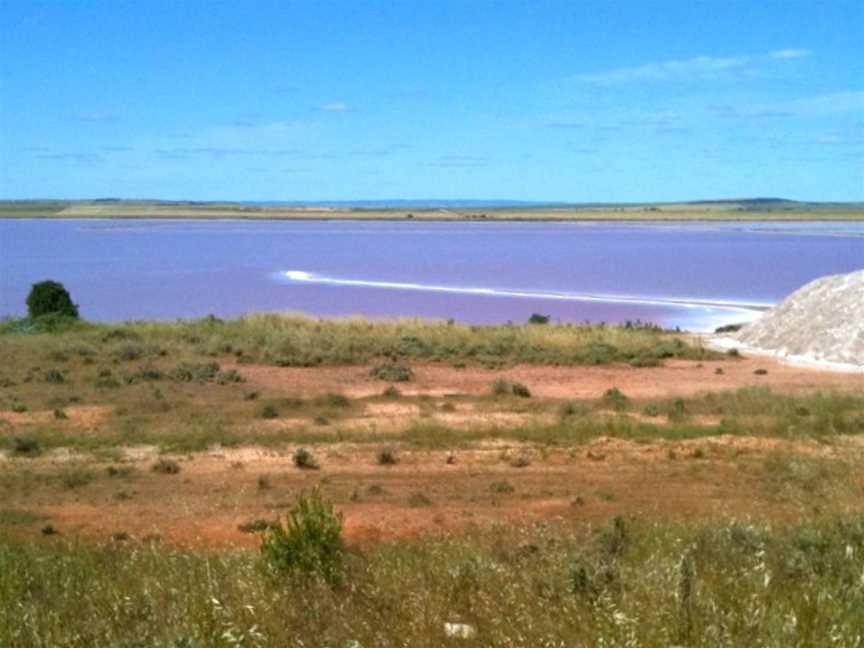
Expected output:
(501, 487)
(520, 390)
(651, 410)
(54, 376)
(59, 414)
(50, 298)
(308, 543)
(615, 399)
(537, 318)
(419, 499)
(387, 457)
(26, 446)
(572, 408)
(392, 372)
(255, 526)
(305, 459)
(391, 392)
(268, 412)
(166, 467)
(334, 400)
(503, 387)
(75, 477)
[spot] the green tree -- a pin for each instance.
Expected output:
(50, 298)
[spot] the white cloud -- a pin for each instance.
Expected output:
(334, 106)
(790, 53)
(700, 67)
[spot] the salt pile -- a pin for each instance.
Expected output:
(823, 322)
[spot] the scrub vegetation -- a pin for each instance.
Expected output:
(257, 483)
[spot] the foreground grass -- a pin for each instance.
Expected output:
(629, 583)
(302, 341)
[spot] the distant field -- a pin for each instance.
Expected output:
(719, 211)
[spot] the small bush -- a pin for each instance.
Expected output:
(728, 328)
(129, 351)
(321, 420)
(59, 414)
(392, 372)
(537, 318)
(75, 478)
(571, 409)
(419, 499)
(334, 400)
(733, 353)
(120, 471)
(387, 457)
(268, 412)
(520, 462)
(264, 482)
(761, 372)
(308, 543)
(677, 410)
(501, 487)
(250, 396)
(651, 410)
(166, 467)
(18, 407)
(228, 377)
(645, 360)
(521, 390)
(503, 387)
(615, 399)
(305, 460)
(26, 446)
(719, 371)
(391, 392)
(255, 526)
(54, 376)
(50, 298)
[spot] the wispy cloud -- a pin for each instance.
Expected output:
(215, 152)
(78, 158)
(699, 67)
(334, 106)
(828, 104)
(692, 69)
(458, 161)
(96, 117)
(790, 53)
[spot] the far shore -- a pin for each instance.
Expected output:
(745, 211)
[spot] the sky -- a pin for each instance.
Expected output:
(611, 101)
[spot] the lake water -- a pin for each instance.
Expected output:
(695, 276)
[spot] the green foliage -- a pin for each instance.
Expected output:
(309, 541)
(392, 372)
(268, 411)
(27, 446)
(305, 460)
(165, 466)
(387, 457)
(503, 387)
(50, 298)
(537, 318)
(615, 399)
(730, 583)
(502, 487)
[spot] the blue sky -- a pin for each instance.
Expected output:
(541, 100)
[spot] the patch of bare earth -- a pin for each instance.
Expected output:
(217, 491)
(676, 378)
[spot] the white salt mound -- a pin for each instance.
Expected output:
(821, 322)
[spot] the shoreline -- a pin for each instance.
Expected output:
(725, 343)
